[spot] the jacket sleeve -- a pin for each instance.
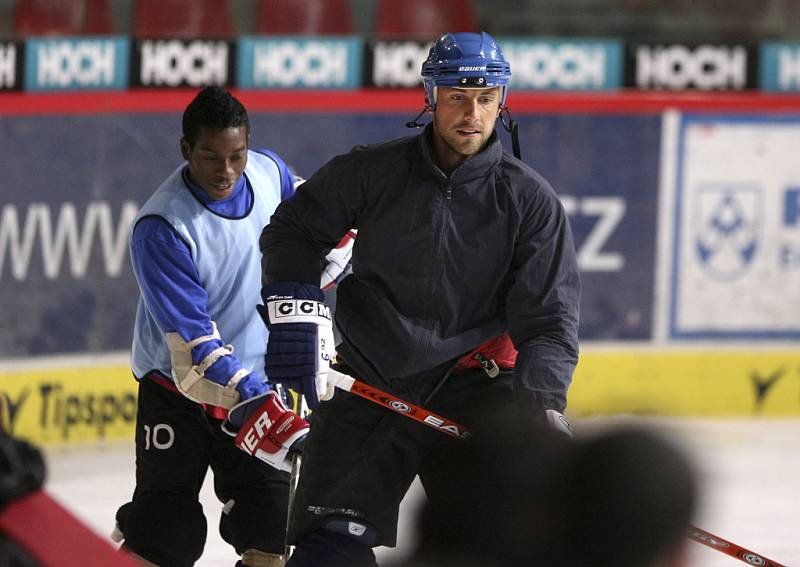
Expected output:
(543, 303)
(306, 226)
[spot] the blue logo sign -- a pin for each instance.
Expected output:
(564, 65)
(299, 63)
(780, 67)
(791, 207)
(726, 229)
(76, 63)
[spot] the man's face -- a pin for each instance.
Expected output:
(217, 160)
(462, 122)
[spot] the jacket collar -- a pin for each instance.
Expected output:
(474, 167)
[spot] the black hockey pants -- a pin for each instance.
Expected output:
(176, 443)
(361, 458)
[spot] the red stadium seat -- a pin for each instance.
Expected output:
(183, 19)
(304, 17)
(62, 17)
(424, 19)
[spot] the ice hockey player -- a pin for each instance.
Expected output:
(463, 298)
(199, 347)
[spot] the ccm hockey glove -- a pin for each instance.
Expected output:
(300, 346)
(267, 430)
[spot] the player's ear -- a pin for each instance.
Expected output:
(186, 149)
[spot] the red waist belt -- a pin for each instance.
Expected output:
(214, 411)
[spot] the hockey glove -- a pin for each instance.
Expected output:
(558, 422)
(300, 345)
(267, 430)
(533, 403)
(338, 261)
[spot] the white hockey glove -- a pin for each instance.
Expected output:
(300, 347)
(267, 430)
(338, 261)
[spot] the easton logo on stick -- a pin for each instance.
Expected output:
(450, 428)
(753, 559)
(399, 406)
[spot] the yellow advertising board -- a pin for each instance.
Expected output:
(66, 404)
(690, 383)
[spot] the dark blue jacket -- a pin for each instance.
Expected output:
(441, 264)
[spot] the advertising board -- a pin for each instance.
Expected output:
(734, 265)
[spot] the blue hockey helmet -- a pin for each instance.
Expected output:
(465, 60)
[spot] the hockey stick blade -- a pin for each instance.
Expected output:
(398, 405)
(375, 395)
(730, 548)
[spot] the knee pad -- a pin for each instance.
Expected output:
(340, 542)
(166, 529)
(256, 520)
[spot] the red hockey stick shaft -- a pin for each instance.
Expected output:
(730, 548)
(373, 394)
(350, 384)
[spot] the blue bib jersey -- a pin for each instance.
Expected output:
(196, 260)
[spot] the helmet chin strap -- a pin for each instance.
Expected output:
(416, 123)
(512, 127)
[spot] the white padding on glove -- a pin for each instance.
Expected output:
(326, 352)
(338, 261)
(190, 378)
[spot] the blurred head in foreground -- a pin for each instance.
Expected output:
(621, 498)
(624, 498)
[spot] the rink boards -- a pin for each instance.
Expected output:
(686, 224)
(77, 401)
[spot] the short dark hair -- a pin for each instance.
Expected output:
(213, 107)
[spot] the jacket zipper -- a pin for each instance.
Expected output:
(448, 195)
(424, 339)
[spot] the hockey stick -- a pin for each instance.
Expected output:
(294, 477)
(729, 548)
(398, 405)
(375, 395)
